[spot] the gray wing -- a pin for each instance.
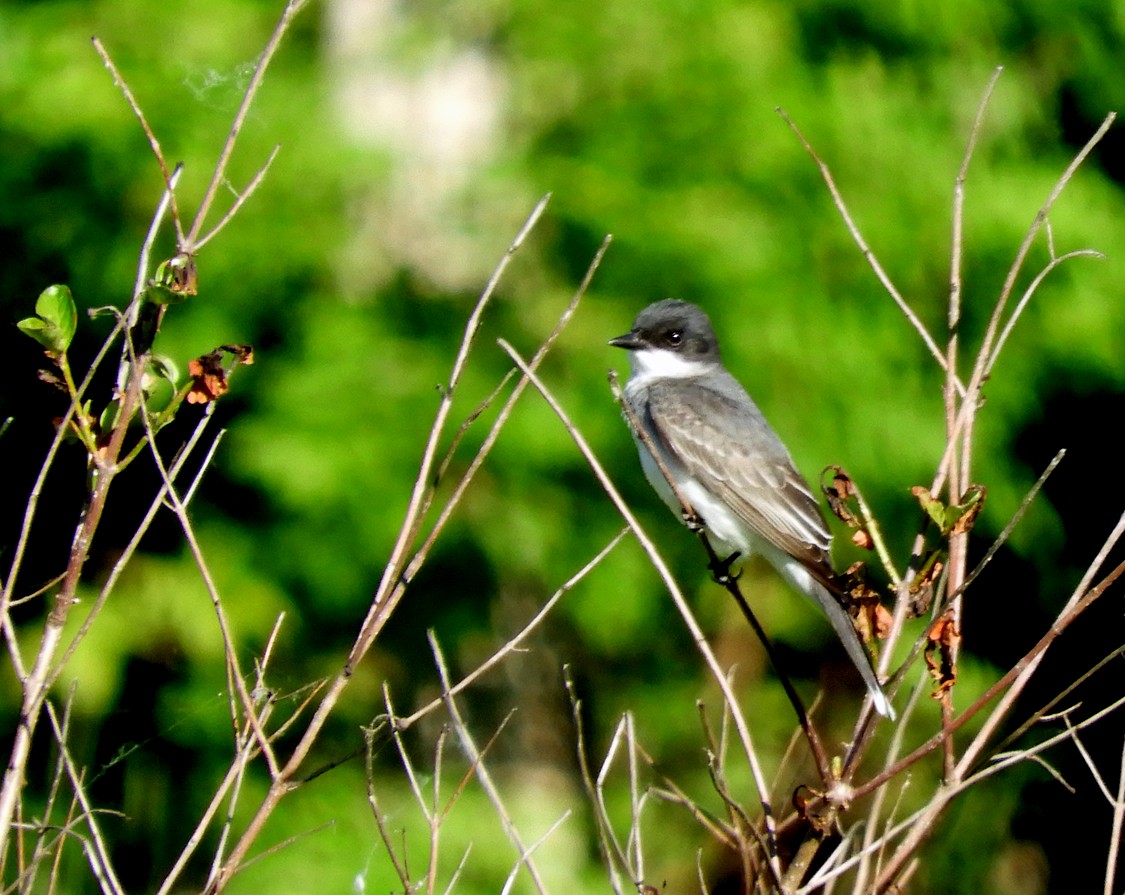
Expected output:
(725, 443)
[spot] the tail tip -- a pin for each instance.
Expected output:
(883, 705)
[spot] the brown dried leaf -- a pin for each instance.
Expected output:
(971, 505)
(179, 274)
(244, 354)
(209, 379)
(838, 494)
(882, 620)
(862, 538)
(864, 604)
(943, 638)
(209, 376)
(921, 599)
(51, 379)
(923, 584)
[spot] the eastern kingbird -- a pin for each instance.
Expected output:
(728, 463)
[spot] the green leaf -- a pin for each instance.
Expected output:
(162, 295)
(57, 320)
(108, 420)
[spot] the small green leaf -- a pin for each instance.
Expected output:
(57, 320)
(109, 417)
(162, 295)
(56, 305)
(33, 326)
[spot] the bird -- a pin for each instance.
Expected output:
(729, 464)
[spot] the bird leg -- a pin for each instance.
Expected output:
(720, 569)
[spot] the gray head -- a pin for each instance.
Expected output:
(678, 327)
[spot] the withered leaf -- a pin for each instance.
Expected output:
(179, 274)
(872, 620)
(243, 353)
(838, 493)
(969, 508)
(209, 376)
(942, 641)
(51, 379)
(862, 538)
(209, 379)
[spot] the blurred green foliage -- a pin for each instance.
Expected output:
(353, 269)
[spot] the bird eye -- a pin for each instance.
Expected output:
(675, 337)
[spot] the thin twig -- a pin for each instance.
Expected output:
(1004, 685)
(190, 242)
(514, 643)
(380, 820)
(612, 853)
(511, 880)
(959, 204)
(27, 882)
(987, 355)
(1006, 533)
(102, 865)
(130, 549)
(167, 199)
(502, 417)
(958, 541)
(1041, 714)
(239, 200)
(484, 776)
(177, 505)
(123, 86)
(1081, 598)
(1028, 293)
(892, 290)
(1088, 759)
(1115, 827)
(389, 590)
(916, 824)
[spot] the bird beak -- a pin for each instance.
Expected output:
(629, 341)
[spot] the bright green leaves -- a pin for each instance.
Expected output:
(55, 322)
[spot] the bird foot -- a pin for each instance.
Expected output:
(720, 569)
(693, 521)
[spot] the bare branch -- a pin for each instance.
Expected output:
(239, 200)
(169, 181)
(485, 778)
(1115, 828)
(892, 290)
(514, 643)
(190, 243)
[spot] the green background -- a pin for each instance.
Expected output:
(352, 271)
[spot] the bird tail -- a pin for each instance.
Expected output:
(857, 652)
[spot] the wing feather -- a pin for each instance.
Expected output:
(725, 444)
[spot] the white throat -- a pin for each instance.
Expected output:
(648, 364)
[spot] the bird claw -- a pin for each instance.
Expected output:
(720, 569)
(693, 521)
